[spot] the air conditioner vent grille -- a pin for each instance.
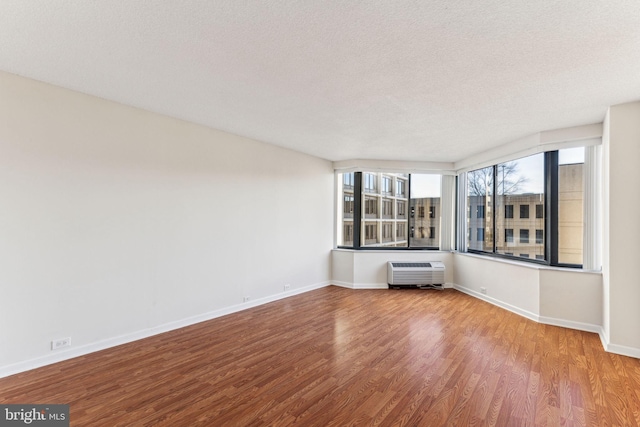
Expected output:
(411, 264)
(415, 274)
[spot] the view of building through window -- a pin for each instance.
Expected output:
(424, 222)
(519, 219)
(404, 210)
(480, 187)
(519, 207)
(390, 217)
(385, 223)
(570, 205)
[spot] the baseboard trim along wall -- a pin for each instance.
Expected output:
(372, 285)
(60, 356)
(618, 349)
(501, 304)
(587, 327)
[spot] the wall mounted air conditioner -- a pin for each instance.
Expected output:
(423, 275)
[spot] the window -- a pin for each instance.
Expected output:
(348, 205)
(348, 234)
(541, 193)
(480, 234)
(379, 211)
(370, 183)
(370, 207)
(400, 187)
(508, 211)
(387, 208)
(424, 201)
(508, 236)
(386, 185)
(387, 231)
(402, 209)
(370, 233)
(519, 184)
(570, 205)
(479, 200)
(347, 180)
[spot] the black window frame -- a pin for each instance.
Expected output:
(358, 222)
(550, 207)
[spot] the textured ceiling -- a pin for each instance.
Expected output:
(398, 80)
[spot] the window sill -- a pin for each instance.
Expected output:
(526, 264)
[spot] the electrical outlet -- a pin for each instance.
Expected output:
(287, 286)
(483, 290)
(245, 299)
(63, 342)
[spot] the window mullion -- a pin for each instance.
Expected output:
(551, 206)
(357, 209)
(494, 192)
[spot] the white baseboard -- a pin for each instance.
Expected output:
(501, 304)
(373, 285)
(62, 355)
(587, 327)
(616, 348)
(342, 284)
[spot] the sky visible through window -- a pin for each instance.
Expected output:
(425, 185)
(532, 168)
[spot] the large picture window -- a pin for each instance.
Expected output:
(403, 211)
(480, 185)
(536, 213)
(570, 205)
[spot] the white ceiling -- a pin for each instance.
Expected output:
(432, 80)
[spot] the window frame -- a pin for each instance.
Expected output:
(401, 208)
(550, 218)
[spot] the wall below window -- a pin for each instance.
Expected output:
(562, 297)
(117, 223)
(367, 269)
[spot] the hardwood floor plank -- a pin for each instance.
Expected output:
(336, 357)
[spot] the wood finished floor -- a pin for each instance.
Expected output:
(336, 357)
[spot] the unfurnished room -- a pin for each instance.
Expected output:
(243, 213)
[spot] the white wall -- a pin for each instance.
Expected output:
(621, 229)
(116, 223)
(562, 297)
(571, 298)
(508, 284)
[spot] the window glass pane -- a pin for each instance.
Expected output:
(520, 206)
(570, 202)
(345, 211)
(424, 218)
(479, 183)
(384, 209)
